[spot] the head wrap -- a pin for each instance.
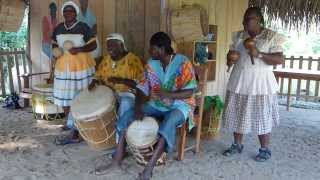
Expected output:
(70, 3)
(117, 36)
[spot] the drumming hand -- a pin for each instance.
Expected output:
(74, 50)
(93, 84)
(253, 52)
(116, 80)
(138, 115)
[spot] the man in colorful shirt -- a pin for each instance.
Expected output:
(169, 81)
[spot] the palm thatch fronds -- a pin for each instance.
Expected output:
(11, 14)
(293, 13)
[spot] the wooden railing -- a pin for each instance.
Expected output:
(13, 63)
(306, 89)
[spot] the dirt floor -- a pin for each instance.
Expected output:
(27, 152)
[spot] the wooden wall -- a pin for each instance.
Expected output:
(137, 20)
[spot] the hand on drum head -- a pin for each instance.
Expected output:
(93, 84)
(138, 115)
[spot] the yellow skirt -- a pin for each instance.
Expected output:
(73, 63)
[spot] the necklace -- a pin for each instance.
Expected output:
(69, 28)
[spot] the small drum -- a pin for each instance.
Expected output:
(42, 103)
(141, 137)
(94, 115)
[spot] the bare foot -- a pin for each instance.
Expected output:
(145, 175)
(107, 168)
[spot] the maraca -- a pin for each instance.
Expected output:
(232, 56)
(250, 44)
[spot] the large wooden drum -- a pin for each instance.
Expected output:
(94, 113)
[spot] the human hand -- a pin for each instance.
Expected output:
(74, 50)
(232, 57)
(92, 85)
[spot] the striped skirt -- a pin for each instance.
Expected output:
(73, 73)
(246, 113)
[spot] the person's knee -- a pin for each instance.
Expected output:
(127, 102)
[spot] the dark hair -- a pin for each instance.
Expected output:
(256, 11)
(162, 40)
(53, 5)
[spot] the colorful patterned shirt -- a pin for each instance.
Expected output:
(178, 75)
(129, 67)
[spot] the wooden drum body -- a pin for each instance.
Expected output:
(94, 114)
(142, 137)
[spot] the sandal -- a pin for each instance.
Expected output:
(264, 155)
(61, 141)
(235, 148)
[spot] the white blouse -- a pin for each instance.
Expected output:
(257, 79)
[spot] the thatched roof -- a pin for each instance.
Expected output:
(293, 13)
(11, 14)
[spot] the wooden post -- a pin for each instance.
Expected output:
(26, 102)
(289, 94)
(16, 61)
(317, 82)
(299, 80)
(9, 74)
(3, 88)
(308, 81)
(24, 63)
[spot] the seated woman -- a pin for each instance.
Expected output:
(169, 82)
(74, 69)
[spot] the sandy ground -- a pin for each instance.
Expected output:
(27, 152)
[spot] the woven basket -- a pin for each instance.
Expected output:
(210, 125)
(188, 24)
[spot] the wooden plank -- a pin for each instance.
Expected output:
(24, 63)
(7, 57)
(122, 20)
(289, 94)
(16, 62)
(211, 70)
(299, 80)
(317, 82)
(137, 26)
(3, 88)
(152, 21)
(4, 53)
(308, 81)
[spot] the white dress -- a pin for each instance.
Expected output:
(251, 101)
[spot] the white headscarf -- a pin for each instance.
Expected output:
(117, 36)
(70, 3)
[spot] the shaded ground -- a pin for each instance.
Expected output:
(27, 153)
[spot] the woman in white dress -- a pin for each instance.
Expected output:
(251, 100)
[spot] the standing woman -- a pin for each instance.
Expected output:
(251, 100)
(74, 69)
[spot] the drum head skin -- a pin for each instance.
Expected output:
(90, 104)
(141, 133)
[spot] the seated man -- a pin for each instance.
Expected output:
(119, 70)
(170, 82)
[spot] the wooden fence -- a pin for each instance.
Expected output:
(13, 64)
(306, 89)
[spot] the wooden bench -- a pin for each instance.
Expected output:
(295, 74)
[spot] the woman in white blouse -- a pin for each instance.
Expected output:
(251, 100)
